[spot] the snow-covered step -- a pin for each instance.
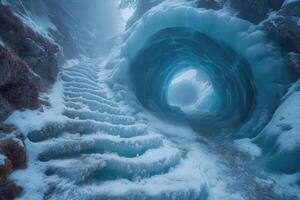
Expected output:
(127, 147)
(80, 85)
(80, 74)
(90, 96)
(75, 106)
(96, 92)
(76, 170)
(81, 70)
(68, 78)
(164, 190)
(152, 162)
(53, 130)
(95, 105)
(88, 73)
(86, 68)
(76, 76)
(64, 148)
(182, 182)
(86, 115)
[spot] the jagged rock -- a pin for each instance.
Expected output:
(5, 108)
(285, 31)
(255, 11)
(12, 146)
(12, 151)
(291, 9)
(252, 10)
(275, 4)
(209, 4)
(5, 169)
(294, 62)
(284, 27)
(9, 191)
(40, 54)
(18, 84)
(8, 128)
(29, 51)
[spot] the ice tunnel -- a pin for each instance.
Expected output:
(206, 68)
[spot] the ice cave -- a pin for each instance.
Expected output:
(149, 100)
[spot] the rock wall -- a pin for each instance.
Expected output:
(12, 157)
(35, 50)
(28, 64)
(19, 86)
(280, 20)
(78, 27)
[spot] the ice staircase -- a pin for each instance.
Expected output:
(103, 152)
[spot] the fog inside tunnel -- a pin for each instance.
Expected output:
(188, 90)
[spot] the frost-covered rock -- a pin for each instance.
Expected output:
(209, 4)
(10, 190)
(75, 25)
(293, 60)
(285, 31)
(12, 146)
(291, 8)
(5, 108)
(254, 10)
(37, 51)
(283, 26)
(5, 168)
(12, 157)
(19, 86)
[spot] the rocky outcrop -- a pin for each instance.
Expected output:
(254, 11)
(5, 108)
(38, 52)
(12, 146)
(284, 28)
(12, 157)
(9, 191)
(19, 86)
(28, 64)
(76, 26)
(209, 4)
(293, 60)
